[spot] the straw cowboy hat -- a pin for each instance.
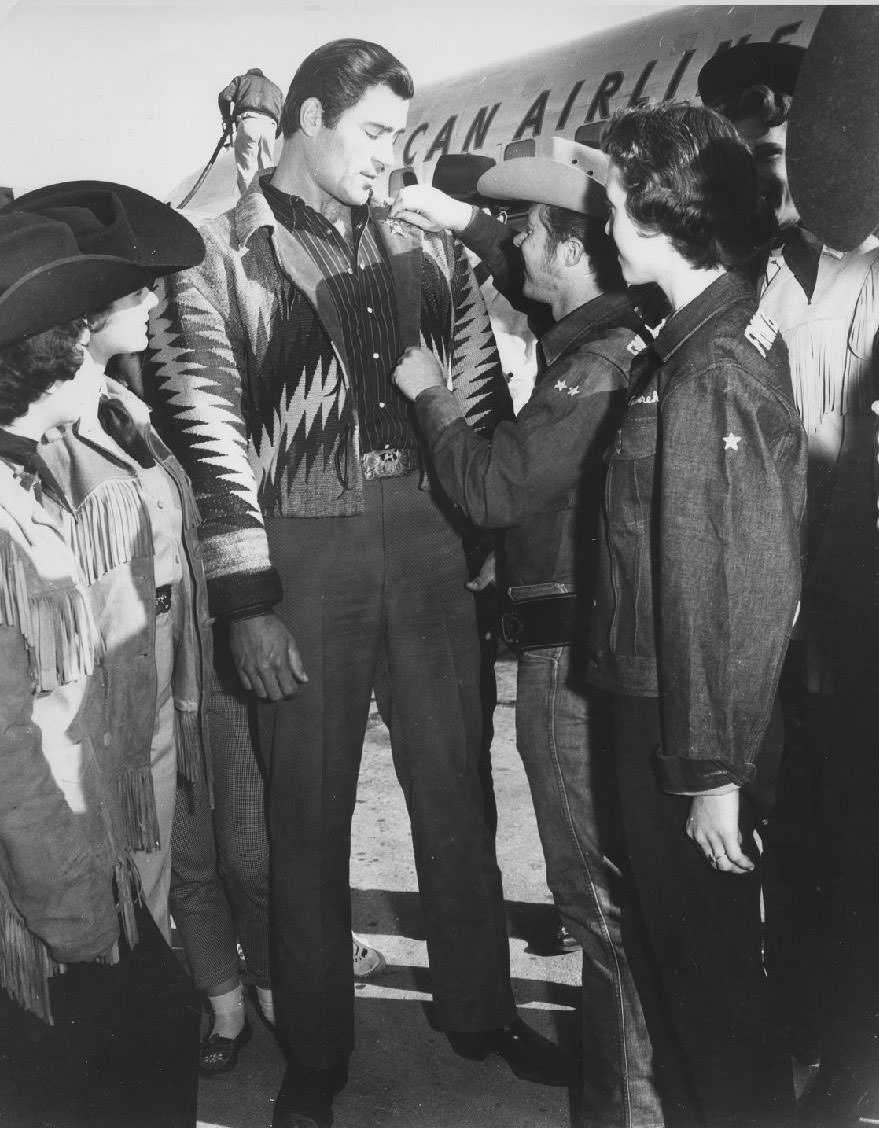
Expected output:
(556, 171)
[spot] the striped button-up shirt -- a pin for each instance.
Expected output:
(360, 284)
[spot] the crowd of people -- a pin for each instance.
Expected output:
(201, 594)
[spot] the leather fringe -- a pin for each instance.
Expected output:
(190, 744)
(137, 802)
(111, 529)
(25, 965)
(57, 626)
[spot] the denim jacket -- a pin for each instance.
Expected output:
(699, 570)
(537, 474)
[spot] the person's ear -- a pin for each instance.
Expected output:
(311, 116)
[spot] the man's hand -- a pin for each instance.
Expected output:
(418, 369)
(486, 577)
(430, 209)
(713, 825)
(266, 657)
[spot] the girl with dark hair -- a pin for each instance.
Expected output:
(699, 579)
(97, 1027)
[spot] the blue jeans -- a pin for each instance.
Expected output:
(562, 733)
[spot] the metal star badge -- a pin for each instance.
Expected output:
(731, 441)
(561, 386)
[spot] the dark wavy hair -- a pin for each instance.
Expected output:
(761, 102)
(338, 74)
(562, 223)
(30, 367)
(689, 175)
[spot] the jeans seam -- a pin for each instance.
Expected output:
(618, 977)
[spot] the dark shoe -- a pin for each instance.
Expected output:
(529, 1055)
(217, 1054)
(565, 941)
(305, 1099)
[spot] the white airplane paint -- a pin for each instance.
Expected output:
(573, 87)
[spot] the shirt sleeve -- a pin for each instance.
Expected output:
(195, 364)
(534, 461)
(729, 574)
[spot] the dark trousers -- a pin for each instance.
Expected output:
(822, 841)
(378, 602)
(693, 937)
(123, 1050)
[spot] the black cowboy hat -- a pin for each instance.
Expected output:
(113, 219)
(457, 174)
(728, 74)
(833, 129)
(45, 279)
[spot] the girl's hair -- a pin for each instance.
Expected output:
(689, 175)
(30, 367)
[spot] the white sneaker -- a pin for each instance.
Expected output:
(367, 961)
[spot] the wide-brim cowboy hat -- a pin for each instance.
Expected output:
(114, 219)
(46, 280)
(558, 172)
(833, 129)
(728, 74)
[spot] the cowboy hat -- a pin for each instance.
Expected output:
(554, 171)
(457, 174)
(728, 74)
(833, 129)
(113, 219)
(45, 279)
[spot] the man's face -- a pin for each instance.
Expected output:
(769, 146)
(351, 155)
(540, 258)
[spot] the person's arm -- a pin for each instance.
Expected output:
(729, 573)
(195, 361)
(225, 99)
(530, 463)
(58, 882)
(492, 241)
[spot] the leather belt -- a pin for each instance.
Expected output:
(388, 463)
(546, 620)
(163, 599)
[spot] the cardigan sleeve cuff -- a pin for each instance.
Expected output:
(244, 595)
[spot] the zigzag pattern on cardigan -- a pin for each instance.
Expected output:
(262, 419)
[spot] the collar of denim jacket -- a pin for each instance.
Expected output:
(726, 291)
(605, 311)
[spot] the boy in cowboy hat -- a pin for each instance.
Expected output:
(102, 1030)
(539, 477)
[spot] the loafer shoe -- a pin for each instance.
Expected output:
(529, 1055)
(217, 1054)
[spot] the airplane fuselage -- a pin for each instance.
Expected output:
(581, 83)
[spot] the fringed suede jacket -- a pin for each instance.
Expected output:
(78, 700)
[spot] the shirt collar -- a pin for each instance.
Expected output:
(264, 205)
(724, 292)
(606, 309)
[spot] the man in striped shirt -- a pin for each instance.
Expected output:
(337, 566)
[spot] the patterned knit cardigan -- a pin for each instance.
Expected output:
(264, 422)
